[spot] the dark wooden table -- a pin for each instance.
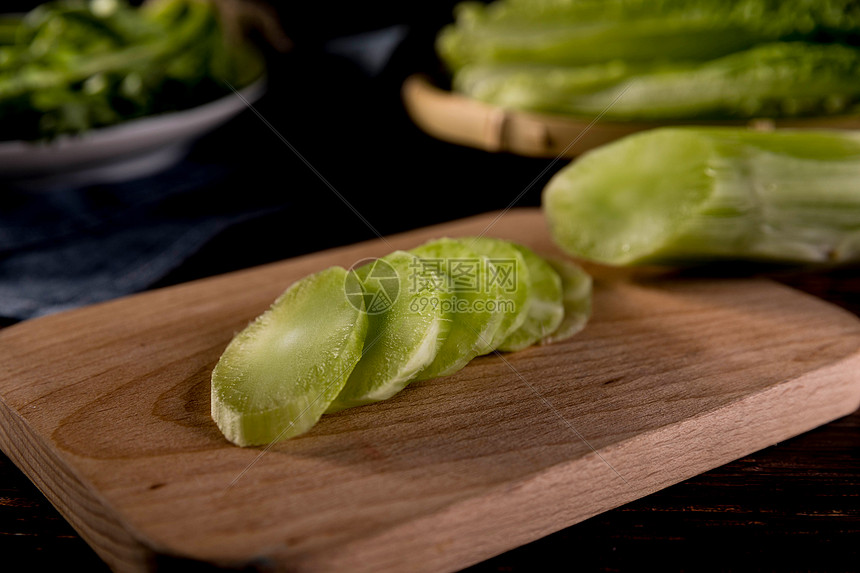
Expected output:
(792, 507)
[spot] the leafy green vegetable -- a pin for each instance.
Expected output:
(581, 32)
(688, 195)
(71, 65)
(670, 59)
(781, 79)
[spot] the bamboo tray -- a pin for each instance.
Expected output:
(456, 118)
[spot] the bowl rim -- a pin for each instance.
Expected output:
(153, 122)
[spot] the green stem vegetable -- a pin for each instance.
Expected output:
(781, 79)
(688, 195)
(278, 376)
(339, 339)
(403, 336)
(576, 288)
(577, 32)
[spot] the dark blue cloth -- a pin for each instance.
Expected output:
(63, 248)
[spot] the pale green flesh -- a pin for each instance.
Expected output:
(318, 350)
(514, 294)
(617, 203)
(576, 299)
(278, 376)
(472, 328)
(402, 340)
(689, 195)
(545, 309)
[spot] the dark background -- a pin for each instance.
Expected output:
(793, 507)
(347, 121)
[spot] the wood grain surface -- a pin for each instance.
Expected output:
(106, 409)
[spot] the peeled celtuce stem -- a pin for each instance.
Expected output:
(577, 33)
(688, 195)
(783, 79)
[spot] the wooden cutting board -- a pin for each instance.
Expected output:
(106, 410)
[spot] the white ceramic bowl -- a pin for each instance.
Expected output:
(128, 150)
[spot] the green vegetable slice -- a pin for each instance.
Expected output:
(545, 309)
(576, 299)
(474, 320)
(511, 273)
(339, 339)
(690, 195)
(278, 375)
(406, 327)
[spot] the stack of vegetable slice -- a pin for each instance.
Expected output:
(339, 338)
(672, 59)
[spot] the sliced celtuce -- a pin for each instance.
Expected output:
(545, 309)
(576, 299)
(278, 376)
(512, 275)
(688, 195)
(340, 339)
(474, 320)
(404, 331)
